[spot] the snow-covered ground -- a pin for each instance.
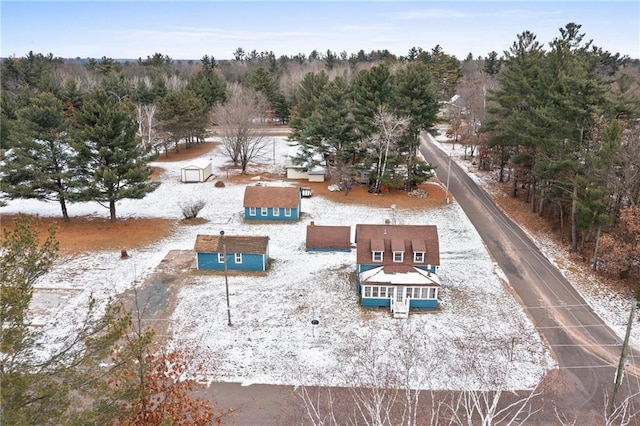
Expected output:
(612, 306)
(480, 338)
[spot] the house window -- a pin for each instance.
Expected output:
(287, 211)
(276, 211)
(220, 257)
(374, 291)
(366, 290)
(264, 211)
(418, 257)
(433, 293)
(383, 292)
(377, 256)
(398, 256)
(238, 257)
(252, 211)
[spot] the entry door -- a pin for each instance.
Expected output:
(400, 291)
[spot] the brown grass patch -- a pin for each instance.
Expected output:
(187, 153)
(86, 234)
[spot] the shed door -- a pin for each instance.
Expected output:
(191, 175)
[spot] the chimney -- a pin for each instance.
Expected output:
(312, 223)
(387, 222)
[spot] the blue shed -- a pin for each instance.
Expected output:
(277, 203)
(245, 253)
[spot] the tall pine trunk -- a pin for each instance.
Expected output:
(594, 265)
(112, 211)
(574, 225)
(63, 207)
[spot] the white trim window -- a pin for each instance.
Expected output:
(398, 256)
(220, 257)
(264, 211)
(252, 211)
(418, 257)
(276, 211)
(376, 256)
(287, 211)
(238, 258)
(376, 292)
(433, 293)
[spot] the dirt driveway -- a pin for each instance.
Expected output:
(157, 295)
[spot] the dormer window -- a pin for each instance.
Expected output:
(397, 247)
(418, 257)
(377, 256)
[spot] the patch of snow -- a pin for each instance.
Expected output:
(479, 335)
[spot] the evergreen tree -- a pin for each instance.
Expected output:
(413, 97)
(513, 109)
(329, 131)
(39, 163)
(372, 91)
(492, 63)
(183, 115)
(110, 162)
(40, 384)
(207, 84)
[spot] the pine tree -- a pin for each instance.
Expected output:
(39, 384)
(183, 115)
(110, 163)
(39, 163)
(413, 97)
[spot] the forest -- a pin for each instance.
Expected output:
(558, 121)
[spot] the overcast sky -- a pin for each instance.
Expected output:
(189, 30)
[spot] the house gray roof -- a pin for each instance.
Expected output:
(328, 237)
(272, 196)
(233, 244)
(407, 238)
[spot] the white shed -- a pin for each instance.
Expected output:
(196, 172)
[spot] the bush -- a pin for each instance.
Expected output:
(191, 209)
(219, 184)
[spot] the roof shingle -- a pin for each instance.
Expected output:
(272, 196)
(233, 244)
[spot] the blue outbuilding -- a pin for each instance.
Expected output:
(245, 253)
(275, 203)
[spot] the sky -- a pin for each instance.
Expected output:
(192, 29)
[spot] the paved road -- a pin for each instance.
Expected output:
(586, 350)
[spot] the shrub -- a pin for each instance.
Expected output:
(190, 209)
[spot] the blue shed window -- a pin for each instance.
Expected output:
(238, 257)
(276, 211)
(252, 211)
(220, 258)
(287, 211)
(264, 211)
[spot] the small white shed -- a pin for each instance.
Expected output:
(198, 171)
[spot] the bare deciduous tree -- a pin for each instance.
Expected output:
(387, 376)
(239, 122)
(389, 131)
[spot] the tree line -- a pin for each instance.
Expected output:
(558, 123)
